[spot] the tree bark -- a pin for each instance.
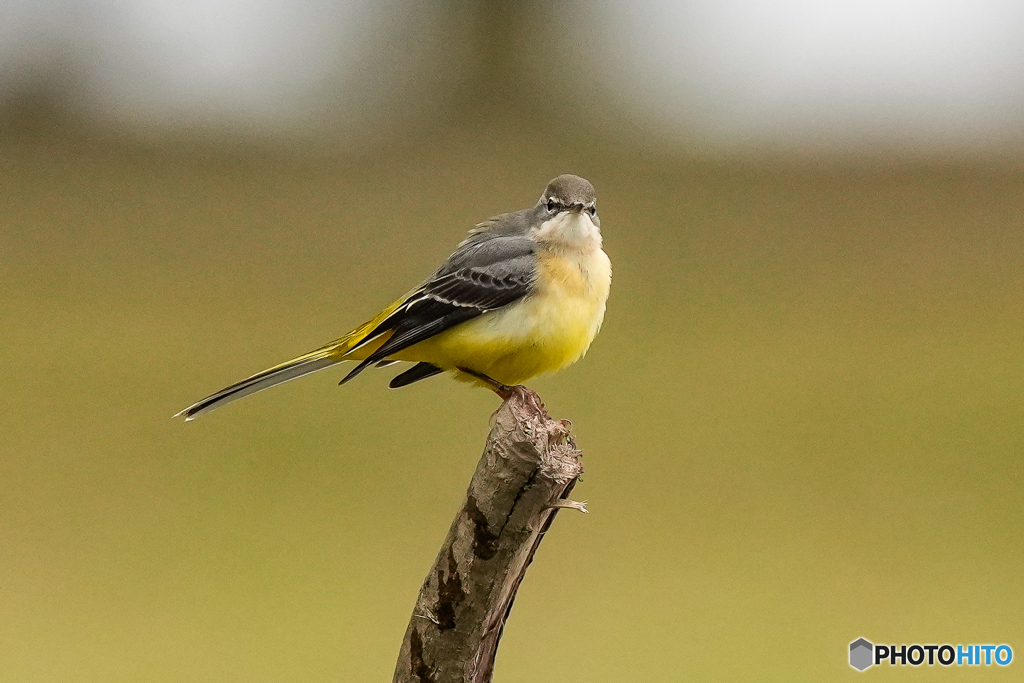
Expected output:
(529, 465)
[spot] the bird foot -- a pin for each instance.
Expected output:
(506, 392)
(530, 398)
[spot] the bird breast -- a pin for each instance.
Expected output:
(554, 325)
(548, 329)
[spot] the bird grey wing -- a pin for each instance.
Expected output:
(480, 276)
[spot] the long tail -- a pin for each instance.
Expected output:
(324, 357)
(260, 381)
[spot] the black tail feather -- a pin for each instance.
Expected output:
(415, 374)
(258, 382)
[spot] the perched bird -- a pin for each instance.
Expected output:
(523, 295)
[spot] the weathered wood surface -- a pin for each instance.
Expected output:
(529, 465)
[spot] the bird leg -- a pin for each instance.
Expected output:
(503, 390)
(506, 392)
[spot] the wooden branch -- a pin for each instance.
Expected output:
(529, 466)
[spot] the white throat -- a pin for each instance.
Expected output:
(570, 231)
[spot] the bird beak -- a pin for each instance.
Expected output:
(577, 208)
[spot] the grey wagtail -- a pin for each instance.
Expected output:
(523, 295)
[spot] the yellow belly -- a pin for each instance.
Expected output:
(545, 331)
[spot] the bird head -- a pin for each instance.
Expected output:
(566, 214)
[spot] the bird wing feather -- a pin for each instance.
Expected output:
(485, 273)
(491, 268)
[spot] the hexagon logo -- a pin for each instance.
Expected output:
(861, 654)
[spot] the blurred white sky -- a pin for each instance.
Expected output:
(934, 71)
(718, 72)
(194, 61)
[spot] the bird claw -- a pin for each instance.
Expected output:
(530, 398)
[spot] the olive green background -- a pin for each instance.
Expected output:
(802, 422)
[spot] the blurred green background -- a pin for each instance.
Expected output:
(802, 421)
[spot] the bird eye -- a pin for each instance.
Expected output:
(552, 206)
(592, 210)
